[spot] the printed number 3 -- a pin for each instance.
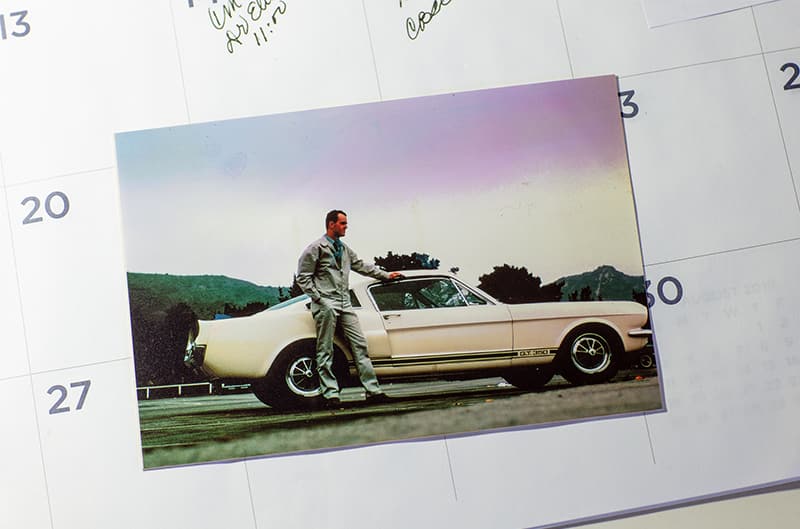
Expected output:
(790, 84)
(56, 407)
(628, 102)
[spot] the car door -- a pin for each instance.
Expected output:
(439, 317)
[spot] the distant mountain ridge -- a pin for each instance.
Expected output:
(605, 282)
(206, 295)
(153, 294)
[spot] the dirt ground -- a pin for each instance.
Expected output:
(223, 427)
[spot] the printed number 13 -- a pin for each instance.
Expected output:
(20, 22)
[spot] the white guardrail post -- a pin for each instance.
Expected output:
(178, 386)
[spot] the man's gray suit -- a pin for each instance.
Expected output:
(326, 281)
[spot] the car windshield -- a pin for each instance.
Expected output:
(471, 297)
(284, 304)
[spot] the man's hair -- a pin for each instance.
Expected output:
(333, 216)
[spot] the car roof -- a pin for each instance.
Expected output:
(362, 281)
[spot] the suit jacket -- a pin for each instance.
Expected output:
(320, 276)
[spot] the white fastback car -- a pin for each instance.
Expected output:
(428, 324)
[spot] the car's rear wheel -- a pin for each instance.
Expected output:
(530, 378)
(293, 381)
(589, 355)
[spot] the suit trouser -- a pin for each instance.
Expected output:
(326, 317)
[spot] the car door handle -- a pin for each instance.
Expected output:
(393, 315)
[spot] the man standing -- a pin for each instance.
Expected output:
(323, 273)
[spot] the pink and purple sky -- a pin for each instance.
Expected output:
(532, 175)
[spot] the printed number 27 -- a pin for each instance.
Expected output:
(57, 407)
(629, 103)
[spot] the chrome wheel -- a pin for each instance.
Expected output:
(590, 353)
(301, 377)
(646, 361)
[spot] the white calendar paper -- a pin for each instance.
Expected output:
(709, 109)
(660, 12)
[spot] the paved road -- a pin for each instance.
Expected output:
(220, 427)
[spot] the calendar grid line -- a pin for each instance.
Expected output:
(16, 275)
(701, 63)
(80, 366)
(64, 175)
(250, 491)
(755, 26)
(180, 62)
(564, 35)
(450, 468)
(14, 377)
(783, 137)
(28, 358)
(722, 252)
(777, 114)
(372, 50)
(649, 438)
(41, 453)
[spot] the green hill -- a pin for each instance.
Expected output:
(206, 295)
(604, 281)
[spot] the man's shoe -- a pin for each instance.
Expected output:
(378, 398)
(333, 403)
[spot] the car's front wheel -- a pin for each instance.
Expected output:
(530, 378)
(589, 355)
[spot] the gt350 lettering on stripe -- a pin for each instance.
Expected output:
(534, 352)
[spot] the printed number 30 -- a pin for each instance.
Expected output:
(662, 295)
(628, 102)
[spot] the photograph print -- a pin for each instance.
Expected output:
(451, 264)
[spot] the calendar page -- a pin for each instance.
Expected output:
(660, 12)
(707, 107)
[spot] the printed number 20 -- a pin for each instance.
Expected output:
(56, 407)
(48, 207)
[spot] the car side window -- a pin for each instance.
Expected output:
(425, 293)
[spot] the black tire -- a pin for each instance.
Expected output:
(589, 355)
(532, 377)
(292, 382)
(646, 360)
